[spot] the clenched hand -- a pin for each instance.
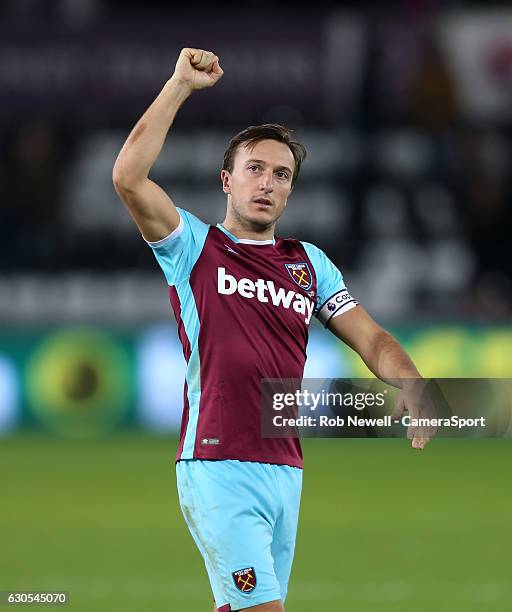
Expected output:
(197, 69)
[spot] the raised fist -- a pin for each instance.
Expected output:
(197, 69)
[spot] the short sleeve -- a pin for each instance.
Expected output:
(333, 297)
(178, 252)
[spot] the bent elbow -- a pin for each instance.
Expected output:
(117, 177)
(122, 182)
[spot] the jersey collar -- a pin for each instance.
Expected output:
(245, 240)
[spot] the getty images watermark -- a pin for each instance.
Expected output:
(370, 408)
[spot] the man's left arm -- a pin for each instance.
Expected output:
(381, 353)
(376, 347)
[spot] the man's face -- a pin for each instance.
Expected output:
(260, 183)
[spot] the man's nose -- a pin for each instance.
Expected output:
(266, 182)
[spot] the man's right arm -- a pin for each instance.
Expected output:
(151, 208)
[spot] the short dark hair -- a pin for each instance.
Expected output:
(268, 131)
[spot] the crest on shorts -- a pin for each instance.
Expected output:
(301, 274)
(245, 579)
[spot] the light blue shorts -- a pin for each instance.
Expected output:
(243, 517)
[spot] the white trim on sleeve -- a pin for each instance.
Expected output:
(172, 236)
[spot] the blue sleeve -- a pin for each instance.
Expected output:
(332, 297)
(178, 252)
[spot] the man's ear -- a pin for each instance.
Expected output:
(225, 177)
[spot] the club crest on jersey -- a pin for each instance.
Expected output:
(301, 274)
(245, 579)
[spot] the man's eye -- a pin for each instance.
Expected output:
(254, 167)
(282, 175)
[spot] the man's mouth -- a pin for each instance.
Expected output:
(263, 201)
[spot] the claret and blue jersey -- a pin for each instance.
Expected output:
(243, 308)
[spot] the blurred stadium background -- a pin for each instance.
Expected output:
(406, 111)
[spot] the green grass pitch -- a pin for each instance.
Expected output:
(383, 528)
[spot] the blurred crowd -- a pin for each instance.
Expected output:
(407, 184)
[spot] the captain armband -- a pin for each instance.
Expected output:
(337, 304)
